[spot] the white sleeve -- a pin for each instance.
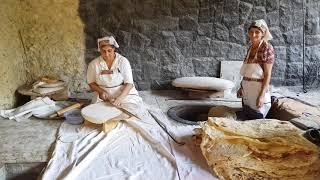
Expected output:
(91, 73)
(126, 71)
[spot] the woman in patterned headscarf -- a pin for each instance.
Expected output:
(256, 71)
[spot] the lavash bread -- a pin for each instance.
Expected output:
(223, 111)
(258, 149)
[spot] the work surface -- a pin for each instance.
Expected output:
(33, 140)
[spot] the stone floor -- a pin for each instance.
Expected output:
(26, 146)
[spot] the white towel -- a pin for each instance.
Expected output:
(25, 111)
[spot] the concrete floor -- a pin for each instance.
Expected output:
(26, 146)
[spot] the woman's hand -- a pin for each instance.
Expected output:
(104, 95)
(117, 101)
(239, 93)
(260, 101)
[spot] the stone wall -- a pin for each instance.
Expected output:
(166, 39)
(163, 39)
(12, 58)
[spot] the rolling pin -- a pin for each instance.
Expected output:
(61, 111)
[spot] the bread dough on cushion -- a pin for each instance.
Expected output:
(203, 83)
(99, 113)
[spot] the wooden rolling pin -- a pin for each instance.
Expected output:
(69, 108)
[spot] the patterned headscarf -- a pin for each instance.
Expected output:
(110, 40)
(262, 25)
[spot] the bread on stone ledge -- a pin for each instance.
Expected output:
(258, 149)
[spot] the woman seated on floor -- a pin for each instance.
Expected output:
(256, 71)
(110, 76)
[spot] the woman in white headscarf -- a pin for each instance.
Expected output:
(110, 75)
(256, 71)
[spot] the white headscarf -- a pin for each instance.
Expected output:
(262, 25)
(110, 40)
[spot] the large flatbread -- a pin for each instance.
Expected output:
(258, 149)
(203, 83)
(99, 113)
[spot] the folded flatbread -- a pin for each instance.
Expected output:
(258, 149)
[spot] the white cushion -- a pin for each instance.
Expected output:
(203, 83)
(99, 113)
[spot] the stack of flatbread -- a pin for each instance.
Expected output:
(258, 149)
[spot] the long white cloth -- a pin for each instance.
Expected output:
(133, 150)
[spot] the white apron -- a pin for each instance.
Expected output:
(113, 84)
(252, 89)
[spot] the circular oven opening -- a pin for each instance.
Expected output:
(189, 114)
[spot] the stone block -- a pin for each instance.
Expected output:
(185, 7)
(219, 49)
(277, 36)
(231, 18)
(279, 68)
(143, 85)
(146, 9)
(170, 71)
(297, 17)
(294, 37)
(236, 52)
(205, 29)
(151, 70)
(259, 12)
(221, 32)
(286, 19)
(204, 15)
(139, 41)
(312, 26)
(273, 19)
(238, 35)
(312, 40)
(272, 5)
(167, 23)
(201, 47)
(294, 53)
(124, 39)
(145, 26)
(185, 40)
(312, 11)
(187, 68)
(294, 70)
(231, 5)
(280, 52)
(188, 23)
(244, 11)
(206, 66)
(312, 53)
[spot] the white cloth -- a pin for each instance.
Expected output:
(251, 89)
(37, 106)
(133, 150)
(111, 83)
(261, 24)
(130, 151)
(110, 40)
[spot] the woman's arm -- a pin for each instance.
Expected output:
(102, 93)
(267, 68)
(125, 91)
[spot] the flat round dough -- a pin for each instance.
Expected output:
(99, 113)
(203, 83)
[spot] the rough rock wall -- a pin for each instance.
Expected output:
(53, 32)
(166, 39)
(12, 59)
